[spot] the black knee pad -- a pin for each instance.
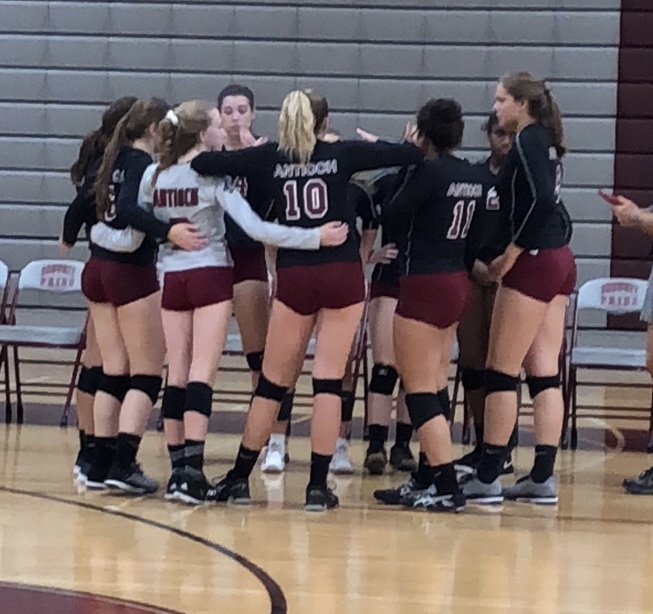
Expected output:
(172, 406)
(495, 381)
(540, 384)
(422, 407)
(472, 379)
(199, 398)
(445, 401)
(347, 408)
(269, 390)
(148, 384)
(89, 380)
(115, 385)
(383, 380)
(327, 386)
(285, 411)
(254, 361)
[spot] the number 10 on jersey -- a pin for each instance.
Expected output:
(315, 199)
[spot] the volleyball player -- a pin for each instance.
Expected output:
(121, 285)
(198, 286)
(81, 212)
(628, 214)
(251, 292)
(438, 198)
(308, 180)
(537, 273)
(488, 237)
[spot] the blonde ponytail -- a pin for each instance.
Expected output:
(297, 121)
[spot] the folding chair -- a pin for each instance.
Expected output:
(57, 277)
(617, 295)
(5, 284)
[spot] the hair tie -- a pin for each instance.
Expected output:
(172, 117)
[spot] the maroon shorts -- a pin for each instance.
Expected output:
(379, 289)
(333, 285)
(118, 283)
(438, 299)
(195, 288)
(544, 274)
(249, 264)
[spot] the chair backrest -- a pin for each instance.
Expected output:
(614, 295)
(4, 289)
(4, 275)
(52, 276)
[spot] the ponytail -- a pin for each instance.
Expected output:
(91, 148)
(297, 121)
(551, 119)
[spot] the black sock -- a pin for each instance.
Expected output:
(545, 459)
(423, 473)
(512, 442)
(105, 448)
(478, 430)
(444, 478)
(177, 459)
(127, 449)
(89, 450)
(404, 434)
(378, 435)
(194, 454)
(491, 464)
(319, 469)
(245, 463)
(82, 440)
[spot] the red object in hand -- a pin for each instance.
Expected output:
(611, 199)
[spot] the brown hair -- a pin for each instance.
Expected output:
(440, 120)
(542, 106)
(302, 115)
(193, 118)
(133, 126)
(95, 143)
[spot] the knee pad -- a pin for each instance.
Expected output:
(269, 390)
(327, 386)
(472, 379)
(114, 385)
(383, 380)
(147, 384)
(89, 380)
(347, 408)
(495, 381)
(254, 361)
(540, 384)
(445, 401)
(199, 398)
(172, 406)
(285, 411)
(422, 407)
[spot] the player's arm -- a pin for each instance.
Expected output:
(246, 162)
(364, 156)
(628, 214)
(416, 186)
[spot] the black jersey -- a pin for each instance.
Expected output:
(529, 184)
(363, 203)
(82, 211)
(309, 195)
(125, 211)
(438, 198)
(489, 234)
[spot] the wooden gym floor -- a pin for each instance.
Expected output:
(68, 551)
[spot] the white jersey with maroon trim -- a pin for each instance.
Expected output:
(181, 195)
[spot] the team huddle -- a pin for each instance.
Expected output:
(186, 209)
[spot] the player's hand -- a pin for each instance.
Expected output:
(481, 274)
(383, 255)
(249, 140)
(628, 214)
(333, 234)
(411, 134)
(63, 247)
(187, 236)
(367, 136)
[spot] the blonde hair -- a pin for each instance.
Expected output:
(181, 135)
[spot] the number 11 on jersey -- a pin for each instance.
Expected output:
(458, 230)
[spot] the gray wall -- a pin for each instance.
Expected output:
(60, 62)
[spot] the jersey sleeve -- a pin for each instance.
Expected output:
(75, 217)
(530, 213)
(364, 205)
(415, 189)
(132, 206)
(267, 232)
(362, 156)
(243, 162)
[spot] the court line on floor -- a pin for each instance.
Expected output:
(278, 604)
